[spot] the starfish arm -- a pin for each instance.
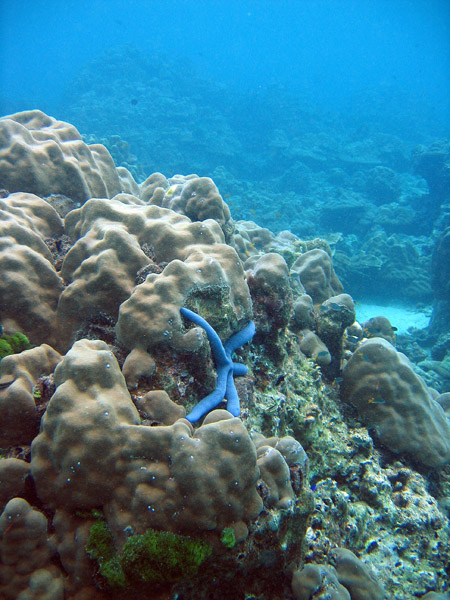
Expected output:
(233, 402)
(239, 369)
(217, 347)
(210, 401)
(240, 338)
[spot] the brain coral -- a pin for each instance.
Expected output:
(395, 401)
(92, 451)
(44, 156)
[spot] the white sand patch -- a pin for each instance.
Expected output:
(401, 317)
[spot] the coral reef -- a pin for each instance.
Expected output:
(328, 475)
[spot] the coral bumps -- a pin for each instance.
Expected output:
(92, 451)
(41, 155)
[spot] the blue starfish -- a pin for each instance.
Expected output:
(226, 368)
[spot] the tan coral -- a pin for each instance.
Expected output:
(250, 239)
(115, 240)
(268, 281)
(41, 155)
(111, 236)
(390, 397)
(157, 407)
(44, 584)
(212, 274)
(323, 578)
(29, 284)
(303, 314)
(316, 273)
(196, 197)
(356, 576)
(153, 189)
(19, 372)
(92, 452)
(312, 346)
(25, 554)
(13, 474)
(276, 477)
(127, 183)
(32, 212)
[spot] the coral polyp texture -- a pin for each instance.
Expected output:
(131, 315)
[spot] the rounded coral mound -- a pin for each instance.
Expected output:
(41, 155)
(396, 403)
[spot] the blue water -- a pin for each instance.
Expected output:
(326, 118)
(332, 50)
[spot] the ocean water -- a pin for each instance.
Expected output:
(327, 124)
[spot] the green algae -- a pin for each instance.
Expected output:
(13, 344)
(155, 557)
(228, 538)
